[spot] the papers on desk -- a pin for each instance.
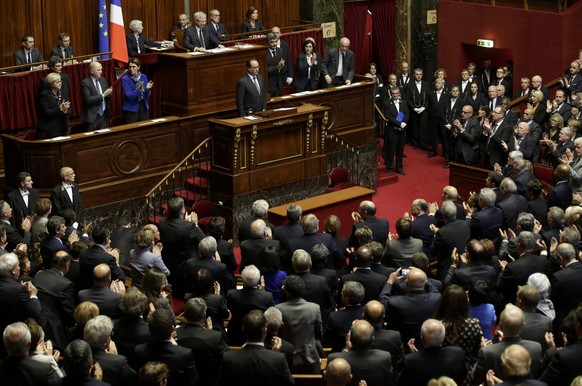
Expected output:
(243, 46)
(57, 138)
(218, 50)
(97, 131)
(159, 120)
(196, 53)
(251, 118)
(152, 121)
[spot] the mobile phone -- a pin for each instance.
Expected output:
(405, 272)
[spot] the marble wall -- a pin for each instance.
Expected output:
(324, 11)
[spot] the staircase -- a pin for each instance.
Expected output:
(382, 177)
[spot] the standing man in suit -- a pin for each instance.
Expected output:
(560, 106)
(394, 134)
(421, 224)
(217, 28)
(23, 199)
(339, 66)
(366, 217)
(566, 284)
(439, 101)
(525, 87)
(183, 23)
(105, 295)
(494, 135)
(28, 53)
(484, 77)
(14, 235)
(525, 143)
(561, 194)
(291, 230)
(259, 210)
(418, 95)
(64, 49)
(537, 84)
(250, 249)
(100, 253)
(96, 96)
(180, 236)
(251, 95)
(572, 83)
(66, 194)
(465, 133)
(254, 364)
(339, 322)
(277, 63)
(198, 38)
(209, 259)
(284, 46)
(136, 42)
(404, 76)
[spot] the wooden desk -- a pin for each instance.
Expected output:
(205, 82)
(341, 203)
(267, 152)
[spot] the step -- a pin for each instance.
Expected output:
(198, 184)
(189, 196)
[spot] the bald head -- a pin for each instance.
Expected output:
(374, 313)
(101, 275)
(432, 333)
(364, 256)
(361, 335)
(562, 172)
(516, 361)
(450, 193)
(511, 321)
(416, 280)
(367, 208)
(338, 372)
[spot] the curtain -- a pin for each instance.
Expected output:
(355, 29)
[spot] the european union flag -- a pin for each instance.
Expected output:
(103, 28)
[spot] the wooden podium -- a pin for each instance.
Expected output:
(205, 82)
(252, 155)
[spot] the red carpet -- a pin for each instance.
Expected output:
(425, 178)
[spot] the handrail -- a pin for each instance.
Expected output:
(246, 35)
(180, 164)
(350, 145)
(523, 99)
(45, 63)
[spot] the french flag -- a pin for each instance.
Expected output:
(117, 41)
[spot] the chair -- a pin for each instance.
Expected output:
(340, 180)
(117, 120)
(30, 135)
(204, 209)
(179, 41)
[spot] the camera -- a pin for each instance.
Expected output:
(404, 272)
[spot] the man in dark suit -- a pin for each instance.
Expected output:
(122, 238)
(464, 85)
(217, 28)
(433, 360)
(198, 37)
(536, 324)
(105, 296)
(207, 345)
(465, 136)
(254, 364)
(311, 237)
(517, 272)
(511, 204)
(116, 370)
(250, 249)
(161, 348)
(131, 329)
(14, 236)
(404, 76)
(18, 301)
(462, 274)
(406, 313)
(437, 113)
(277, 65)
(418, 96)
(66, 194)
(57, 296)
(566, 284)
(251, 95)
(525, 88)
(180, 236)
(396, 113)
(248, 298)
(284, 46)
(209, 259)
(259, 210)
(537, 84)
(484, 77)
(366, 217)
(339, 322)
(493, 137)
(489, 357)
(100, 253)
(136, 41)
(561, 194)
(524, 142)
(566, 363)
(560, 106)
(64, 49)
(372, 365)
(373, 282)
(96, 96)
(453, 234)
(28, 53)
(421, 224)
(385, 340)
(485, 224)
(23, 199)
(79, 365)
(339, 66)
(52, 243)
(18, 369)
(291, 230)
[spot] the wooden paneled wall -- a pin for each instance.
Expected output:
(46, 19)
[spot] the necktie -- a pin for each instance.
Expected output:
(438, 96)
(273, 52)
(491, 105)
(201, 38)
(29, 55)
(257, 84)
(344, 67)
(64, 53)
(100, 92)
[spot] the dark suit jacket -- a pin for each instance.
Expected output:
(560, 196)
(401, 82)
(192, 41)
(254, 365)
(467, 141)
(61, 200)
(116, 370)
(91, 257)
(373, 283)
(286, 232)
(379, 226)
(52, 122)
(463, 276)
(58, 51)
(529, 147)
(415, 98)
(308, 240)
(489, 358)
(179, 359)
(521, 181)
(20, 57)
(15, 303)
(244, 228)
(338, 324)
(535, 327)
(248, 97)
(421, 230)
(331, 63)
(564, 366)
(92, 99)
(130, 332)
(49, 245)
(390, 340)
(207, 346)
(517, 272)
(122, 238)
(25, 371)
(511, 206)
(374, 366)
(240, 303)
(19, 208)
(486, 223)
(566, 291)
(219, 32)
(276, 76)
(217, 269)
(57, 296)
(132, 44)
(107, 300)
(250, 250)
(15, 236)
(301, 74)
(492, 143)
(433, 362)
(455, 233)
